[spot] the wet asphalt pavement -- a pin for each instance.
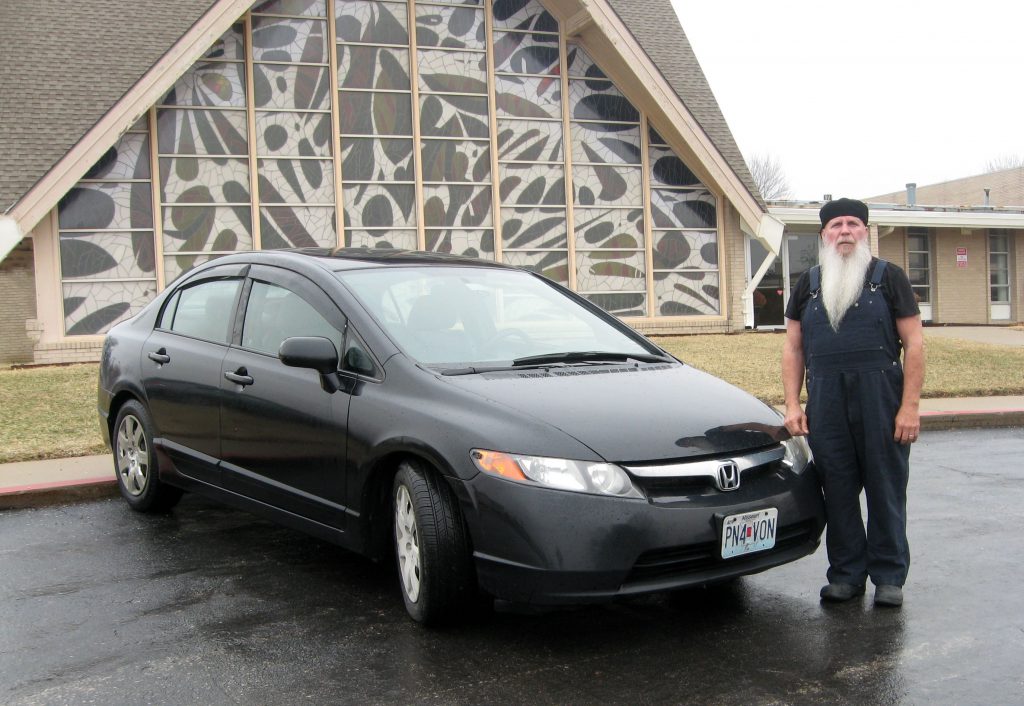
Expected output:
(210, 605)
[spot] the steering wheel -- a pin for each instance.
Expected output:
(507, 334)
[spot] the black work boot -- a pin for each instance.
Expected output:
(887, 595)
(838, 592)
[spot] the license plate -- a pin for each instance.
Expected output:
(749, 532)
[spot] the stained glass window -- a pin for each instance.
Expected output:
(608, 214)
(378, 170)
(105, 237)
(684, 230)
(528, 101)
(206, 204)
(294, 138)
(644, 235)
(452, 79)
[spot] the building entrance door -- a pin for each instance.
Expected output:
(771, 295)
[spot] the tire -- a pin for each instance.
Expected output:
(435, 565)
(138, 475)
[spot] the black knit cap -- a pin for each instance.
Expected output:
(843, 207)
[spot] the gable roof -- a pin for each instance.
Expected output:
(655, 26)
(67, 67)
(64, 65)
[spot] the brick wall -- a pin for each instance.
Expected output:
(70, 351)
(961, 293)
(893, 248)
(17, 304)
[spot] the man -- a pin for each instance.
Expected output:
(846, 323)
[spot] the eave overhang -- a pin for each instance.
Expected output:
(926, 218)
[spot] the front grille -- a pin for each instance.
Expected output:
(680, 480)
(679, 562)
(680, 488)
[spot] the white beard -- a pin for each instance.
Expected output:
(842, 279)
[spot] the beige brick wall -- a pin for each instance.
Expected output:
(17, 304)
(68, 352)
(893, 247)
(1006, 188)
(961, 293)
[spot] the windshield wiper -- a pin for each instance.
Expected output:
(587, 357)
(473, 370)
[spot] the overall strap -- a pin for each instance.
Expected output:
(815, 275)
(876, 274)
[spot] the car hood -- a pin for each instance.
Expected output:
(628, 413)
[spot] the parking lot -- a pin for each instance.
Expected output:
(211, 605)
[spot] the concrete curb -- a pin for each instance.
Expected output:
(87, 488)
(57, 493)
(944, 421)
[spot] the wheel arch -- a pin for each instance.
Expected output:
(118, 401)
(375, 498)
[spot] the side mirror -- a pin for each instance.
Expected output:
(313, 352)
(358, 361)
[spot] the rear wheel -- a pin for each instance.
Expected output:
(135, 462)
(435, 567)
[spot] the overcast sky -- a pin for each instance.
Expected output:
(859, 98)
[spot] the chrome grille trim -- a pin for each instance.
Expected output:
(707, 468)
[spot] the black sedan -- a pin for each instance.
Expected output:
(498, 434)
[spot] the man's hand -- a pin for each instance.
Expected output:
(908, 418)
(796, 420)
(908, 424)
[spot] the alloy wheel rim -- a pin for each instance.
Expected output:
(407, 543)
(132, 455)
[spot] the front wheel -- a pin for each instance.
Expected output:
(435, 566)
(135, 462)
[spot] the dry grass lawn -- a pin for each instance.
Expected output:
(50, 412)
(955, 367)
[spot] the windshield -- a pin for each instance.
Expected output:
(477, 316)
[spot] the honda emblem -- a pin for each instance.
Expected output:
(728, 477)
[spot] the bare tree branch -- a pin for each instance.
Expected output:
(1004, 161)
(766, 169)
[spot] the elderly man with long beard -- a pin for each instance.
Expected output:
(847, 322)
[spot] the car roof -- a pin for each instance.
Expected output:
(337, 259)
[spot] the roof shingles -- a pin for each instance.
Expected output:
(64, 65)
(656, 28)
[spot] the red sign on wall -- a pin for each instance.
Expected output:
(961, 257)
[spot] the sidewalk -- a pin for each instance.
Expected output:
(33, 483)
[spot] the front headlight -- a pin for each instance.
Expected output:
(798, 453)
(559, 473)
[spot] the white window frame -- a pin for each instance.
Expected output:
(999, 310)
(924, 306)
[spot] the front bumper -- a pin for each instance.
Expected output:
(542, 546)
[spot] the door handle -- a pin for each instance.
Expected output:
(240, 377)
(159, 356)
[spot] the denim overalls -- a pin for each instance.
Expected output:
(854, 389)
